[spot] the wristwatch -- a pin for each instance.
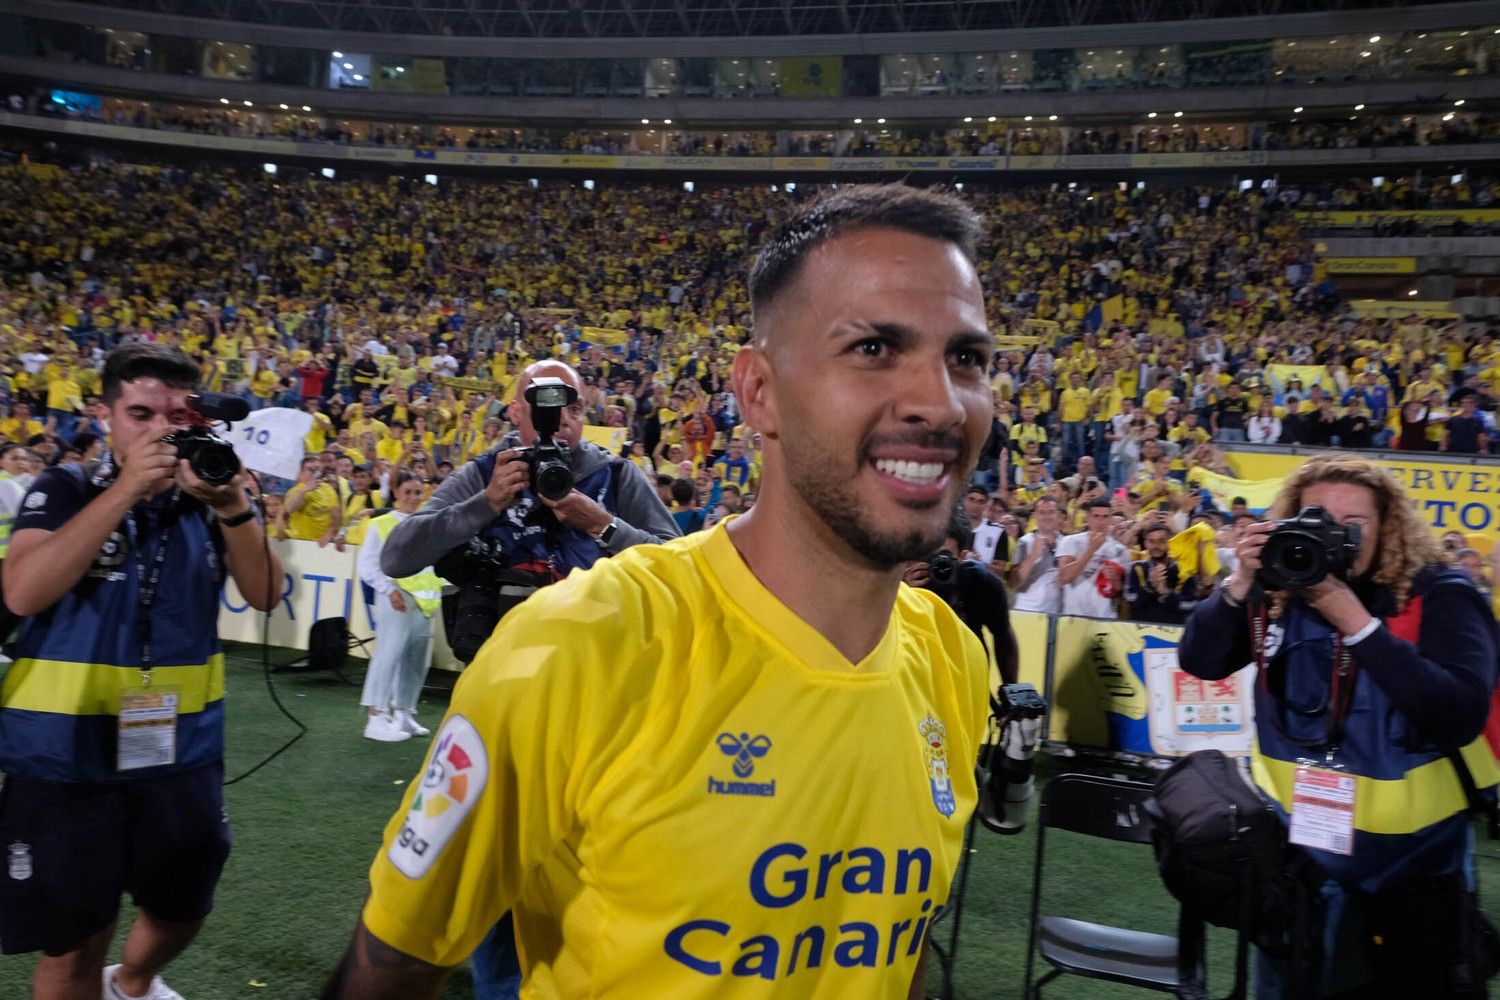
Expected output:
(607, 534)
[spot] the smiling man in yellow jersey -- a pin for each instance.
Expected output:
(738, 764)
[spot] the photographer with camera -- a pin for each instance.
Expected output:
(112, 716)
(1376, 663)
(510, 522)
(974, 593)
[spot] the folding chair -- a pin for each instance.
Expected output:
(1113, 809)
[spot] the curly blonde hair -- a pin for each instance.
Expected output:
(1406, 543)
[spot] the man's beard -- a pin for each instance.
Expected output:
(837, 504)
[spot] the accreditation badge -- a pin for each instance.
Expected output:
(1323, 810)
(147, 728)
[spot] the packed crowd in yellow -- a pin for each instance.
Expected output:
(404, 310)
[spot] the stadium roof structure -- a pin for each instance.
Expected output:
(554, 19)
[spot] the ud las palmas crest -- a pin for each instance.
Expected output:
(935, 736)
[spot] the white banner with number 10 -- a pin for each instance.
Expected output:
(271, 440)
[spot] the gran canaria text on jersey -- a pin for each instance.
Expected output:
(782, 876)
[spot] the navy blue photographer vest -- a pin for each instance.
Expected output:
(527, 536)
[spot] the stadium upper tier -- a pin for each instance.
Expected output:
(1402, 58)
(629, 19)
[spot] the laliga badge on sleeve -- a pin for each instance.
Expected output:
(147, 728)
(458, 768)
(1323, 810)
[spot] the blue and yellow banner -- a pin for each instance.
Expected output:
(1453, 496)
(1257, 493)
(605, 337)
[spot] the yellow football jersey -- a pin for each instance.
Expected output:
(726, 810)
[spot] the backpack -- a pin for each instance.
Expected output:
(1223, 853)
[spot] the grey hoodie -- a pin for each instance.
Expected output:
(458, 511)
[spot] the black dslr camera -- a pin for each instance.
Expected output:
(1305, 549)
(211, 458)
(548, 458)
(942, 570)
(488, 587)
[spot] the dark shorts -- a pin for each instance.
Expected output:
(68, 851)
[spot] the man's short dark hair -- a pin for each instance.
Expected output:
(918, 211)
(1238, 500)
(682, 491)
(1153, 529)
(1098, 502)
(129, 362)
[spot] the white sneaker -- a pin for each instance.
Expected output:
(409, 724)
(385, 729)
(158, 991)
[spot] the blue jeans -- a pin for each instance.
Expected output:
(496, 966)
(1099, 445)
(1343, 936)
(1073, 442)
(67, 421)
(1229, 435)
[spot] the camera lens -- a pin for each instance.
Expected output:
(1298, 558)
(214, 463)
(553, 480)
(1292, 561)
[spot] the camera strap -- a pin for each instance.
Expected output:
(1341, 684)
(147, 581)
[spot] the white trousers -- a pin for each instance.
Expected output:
(403, 641)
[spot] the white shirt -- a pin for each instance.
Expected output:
(1041, 592)
(447, 362)
(1082, 597)
(986, 540)
(1263, 430)
(1118, 425)
(368, 562)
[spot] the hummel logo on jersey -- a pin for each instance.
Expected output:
(745, 751)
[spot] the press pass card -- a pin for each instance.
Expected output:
(1323, 810)
(147, 729)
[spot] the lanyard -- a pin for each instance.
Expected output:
(1340, 684)
(147, 582)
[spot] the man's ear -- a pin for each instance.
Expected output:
(751, 378)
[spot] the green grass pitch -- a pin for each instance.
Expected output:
(307, 825)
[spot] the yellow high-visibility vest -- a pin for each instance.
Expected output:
(424, 585)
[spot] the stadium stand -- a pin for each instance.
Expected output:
(1231, 240)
